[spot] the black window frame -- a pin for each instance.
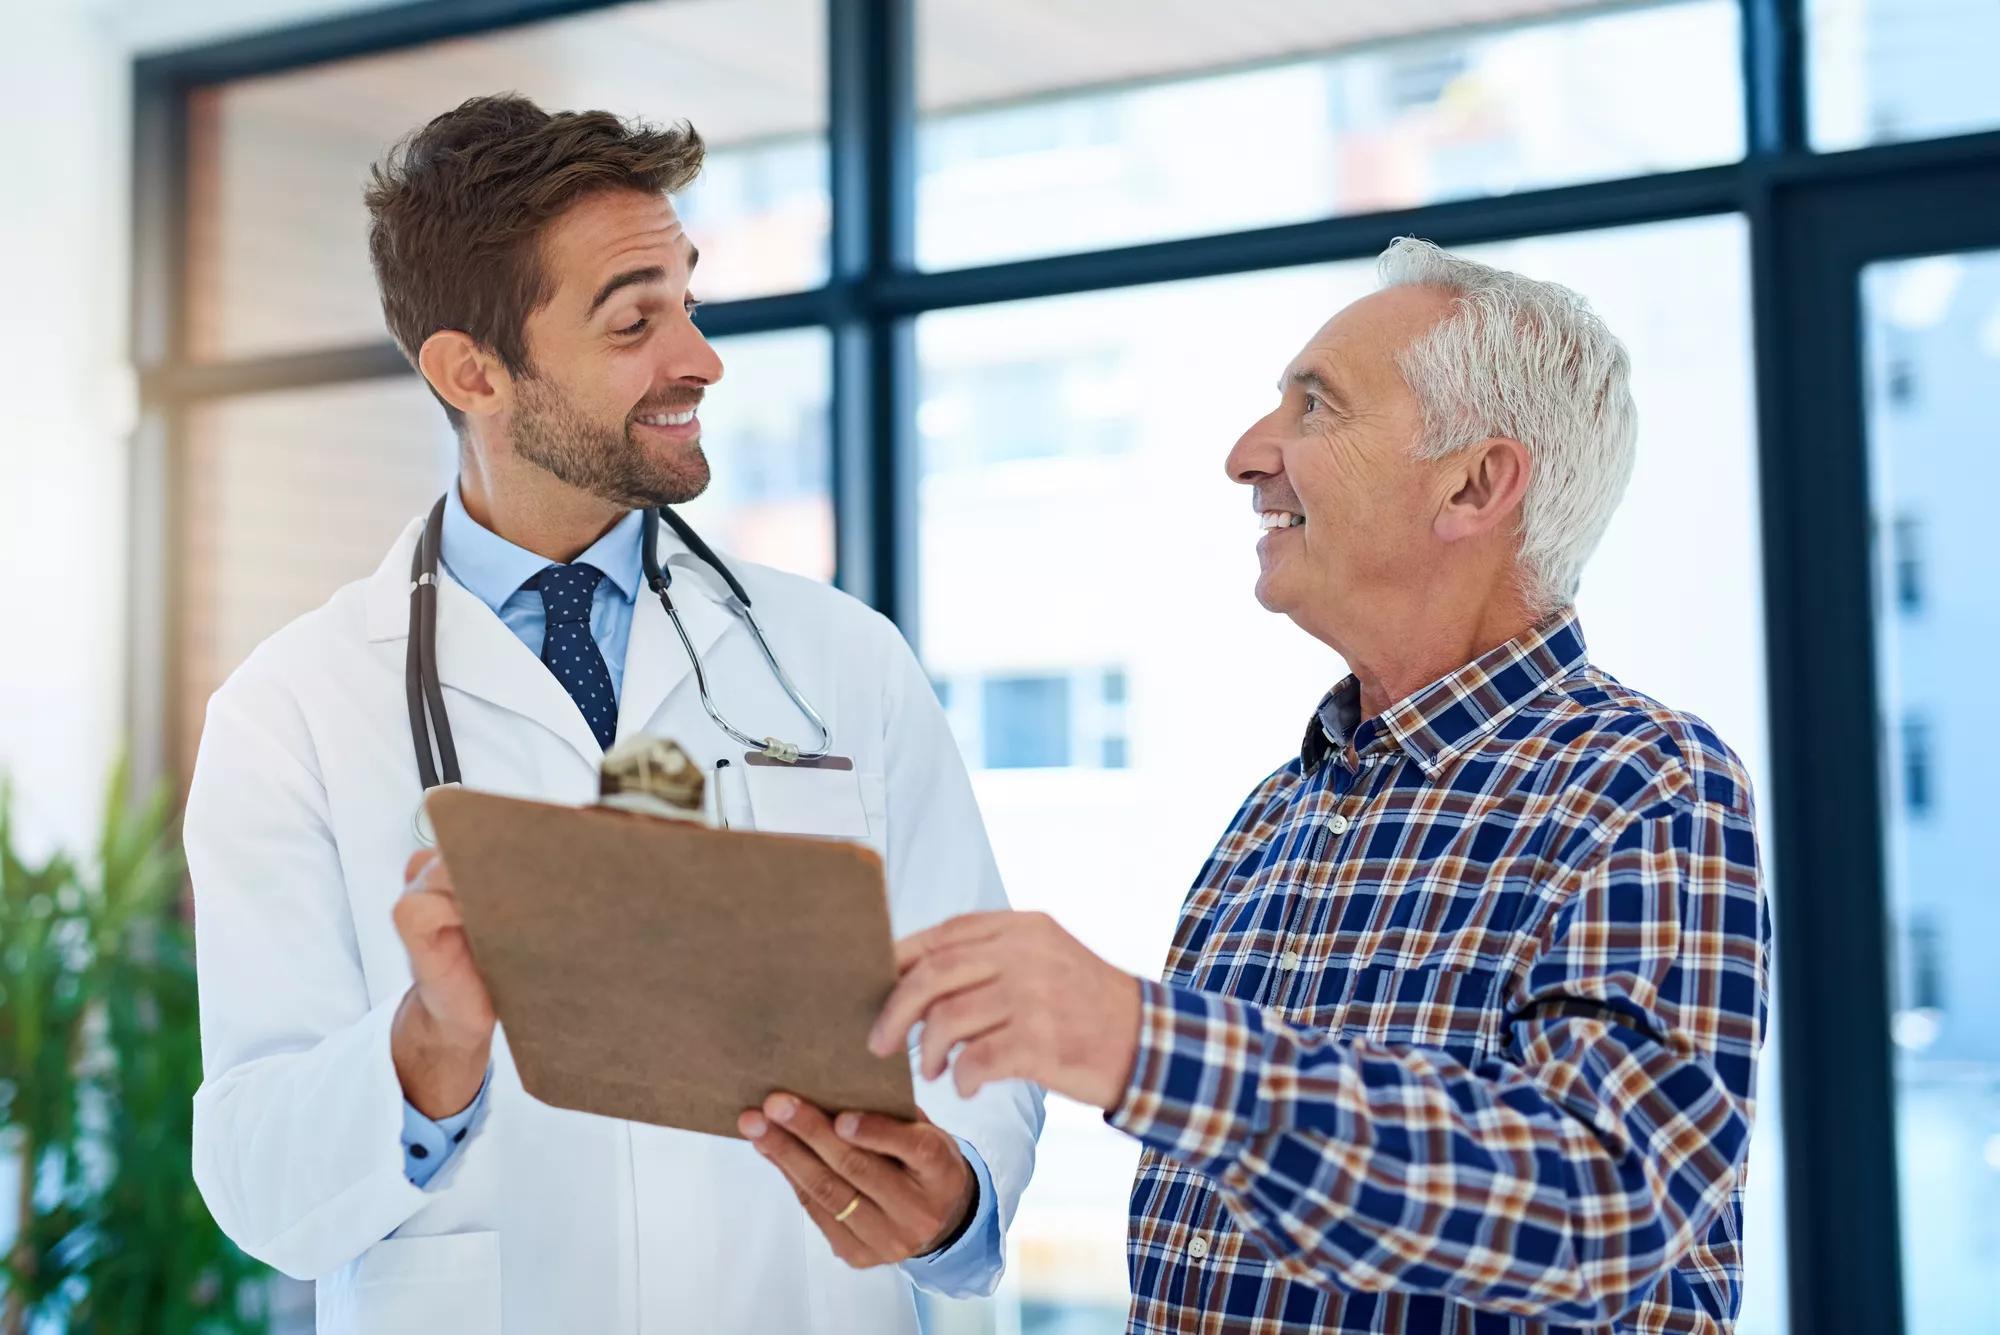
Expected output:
(1813, 220)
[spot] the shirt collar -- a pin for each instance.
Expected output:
(493, 569)
(1446, 717)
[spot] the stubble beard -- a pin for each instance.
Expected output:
(551, 432)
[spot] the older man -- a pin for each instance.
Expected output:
(1459, 1030)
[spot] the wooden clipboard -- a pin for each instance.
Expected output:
(664, 971)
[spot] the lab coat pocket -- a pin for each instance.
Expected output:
(806, 799)
(442, 1284)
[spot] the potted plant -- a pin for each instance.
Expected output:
(100, 1054)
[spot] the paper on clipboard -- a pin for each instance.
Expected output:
(667, 972)
(805, 798)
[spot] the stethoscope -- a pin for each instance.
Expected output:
(426, 695)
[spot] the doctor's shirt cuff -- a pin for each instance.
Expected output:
(428, 1145)
(970, 1265)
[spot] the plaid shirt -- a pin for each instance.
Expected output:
(1459, 1029)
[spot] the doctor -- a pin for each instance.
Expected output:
(361, 1123)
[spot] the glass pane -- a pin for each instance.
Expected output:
(290, 495)
(1883, 70)
(1048, 127)
(1128, 566)
(767, 430)
(277, 238)
(1933, 349)
(287, 497)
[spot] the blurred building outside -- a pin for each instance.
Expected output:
(1085, 568)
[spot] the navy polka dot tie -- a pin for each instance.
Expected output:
(571, 651)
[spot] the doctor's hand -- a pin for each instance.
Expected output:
(443, 1033)
(1020, 998)
(882, 1190)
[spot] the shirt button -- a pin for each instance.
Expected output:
(1289, 960)
(1198, 1247)
(1338, 824)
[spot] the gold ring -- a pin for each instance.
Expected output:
(841, 1218)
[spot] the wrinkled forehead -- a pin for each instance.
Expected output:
(1359, 345)
(611, 232)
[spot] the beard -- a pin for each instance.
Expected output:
(552, 432)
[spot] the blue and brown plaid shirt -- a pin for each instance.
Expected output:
(1459, 1029)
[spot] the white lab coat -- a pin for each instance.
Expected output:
(298, 827)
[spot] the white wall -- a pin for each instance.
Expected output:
(66, 388)
(66, 394)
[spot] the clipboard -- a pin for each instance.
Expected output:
(668, 972)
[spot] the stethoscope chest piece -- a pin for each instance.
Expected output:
(420, 820)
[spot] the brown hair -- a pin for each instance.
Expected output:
(457, 210)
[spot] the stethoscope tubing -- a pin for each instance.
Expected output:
(424, 693)
(422, 686)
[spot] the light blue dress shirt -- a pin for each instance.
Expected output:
(493, 570)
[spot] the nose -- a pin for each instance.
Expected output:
(1255, 456)
(688, 357)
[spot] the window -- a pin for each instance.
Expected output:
(1909, 563)
(1144, 558)
(1113, 222)
(1944, 313)
(1038, 720)
(1883, 70)
(1901, 383)
(1034, 407)
(288, 497)
(766, 428)
(1047, 127)
(1025, 722)
(277, 163)
(1916, 766)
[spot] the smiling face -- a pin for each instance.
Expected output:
(1346, 507)
(618, 369)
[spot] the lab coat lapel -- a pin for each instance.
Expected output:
(476, 654)
(655, 660)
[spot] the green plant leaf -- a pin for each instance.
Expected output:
(100, 1055)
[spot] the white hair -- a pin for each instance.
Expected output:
(1528, 361)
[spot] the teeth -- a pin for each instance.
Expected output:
(1279, 519)
(669, 419)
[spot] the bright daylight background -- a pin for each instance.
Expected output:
(1083, 566)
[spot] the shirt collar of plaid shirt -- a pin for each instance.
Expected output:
(1442, 720)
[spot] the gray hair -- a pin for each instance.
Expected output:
(1529, 361)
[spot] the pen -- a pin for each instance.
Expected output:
(721, 816)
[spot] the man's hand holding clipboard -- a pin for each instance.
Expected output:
(669, 972)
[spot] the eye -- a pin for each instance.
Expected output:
(1313, 401)
(638, 326)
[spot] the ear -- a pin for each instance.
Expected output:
(465, 375)
(1488, 482)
